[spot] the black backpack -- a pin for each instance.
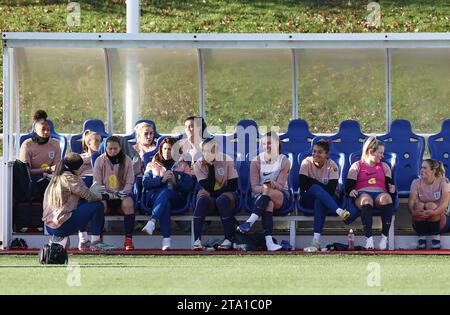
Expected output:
(22, 183)
(24, 189)
(18, 243)
(28, 196)
(341, 247)
(251, 242)
(53, 254)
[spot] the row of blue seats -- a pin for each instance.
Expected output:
(245, 200)
(243, 168)
(141, 196)
(408, 146)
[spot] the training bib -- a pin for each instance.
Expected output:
(217, 186)
(113, 181)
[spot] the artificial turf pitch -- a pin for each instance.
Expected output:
(228, 274)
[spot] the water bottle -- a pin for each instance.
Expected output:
(351, 240)
(169, 183)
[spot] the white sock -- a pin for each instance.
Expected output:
(226, 242)
(166, 241)
(316, 238)
(339, 211)
(95, 238)
(422, 237)
(383, 236)
(83, 237)
(253, 218)
(269, 239)
(271, 246)
(437, 237)
(62, 242)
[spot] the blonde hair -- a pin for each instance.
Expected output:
(371, 144)
(58, 192)
(87, 136)
(139, 127)
(436, 166)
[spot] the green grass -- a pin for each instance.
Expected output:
(343, 274)
(232, 16)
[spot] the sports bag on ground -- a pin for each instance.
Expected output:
(53, 254)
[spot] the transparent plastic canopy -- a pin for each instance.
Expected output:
(421, 87)
(340, 84)
(248, 84)
(168, 85)
(323, 79)
(69, 84)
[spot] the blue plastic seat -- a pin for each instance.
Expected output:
(88, 180)
(349, 139)
(96, 125)
(340, 160)
(244, 141)
(390, 158)
(94, 157)
(297, 139)
(409, 148)
(131, 138)
(243, 170)
(439, 145)
(61, 139)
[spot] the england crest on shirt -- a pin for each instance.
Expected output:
(51, 154)
(437, 195)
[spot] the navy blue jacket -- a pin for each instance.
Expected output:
(184, 183)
